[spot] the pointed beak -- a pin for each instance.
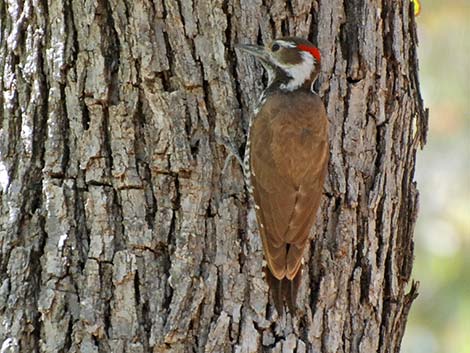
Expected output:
(255, 50)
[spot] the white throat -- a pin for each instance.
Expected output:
(299, 73)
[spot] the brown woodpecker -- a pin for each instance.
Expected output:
(286, 159)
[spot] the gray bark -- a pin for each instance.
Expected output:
(118, 231)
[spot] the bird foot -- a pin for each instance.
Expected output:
(232, 152)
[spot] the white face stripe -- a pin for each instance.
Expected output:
(299, 73)
(285, 44)
(271, 74)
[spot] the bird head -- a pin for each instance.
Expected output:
(291, 62)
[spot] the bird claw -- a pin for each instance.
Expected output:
(232, 152)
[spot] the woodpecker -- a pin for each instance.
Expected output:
(286, 160)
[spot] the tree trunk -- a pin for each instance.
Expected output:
(118, 230)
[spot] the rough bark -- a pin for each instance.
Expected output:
(118, 231)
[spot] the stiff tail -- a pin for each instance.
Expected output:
(284, 290)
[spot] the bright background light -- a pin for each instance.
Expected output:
(439, 320)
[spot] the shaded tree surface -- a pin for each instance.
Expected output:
(118, 230)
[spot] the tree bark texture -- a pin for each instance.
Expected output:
(118, 230)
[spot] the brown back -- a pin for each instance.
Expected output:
(288, 156)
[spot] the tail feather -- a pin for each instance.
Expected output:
(284, 290)
(275, 287)
(291, 297)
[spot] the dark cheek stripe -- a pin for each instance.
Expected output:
(291, 56)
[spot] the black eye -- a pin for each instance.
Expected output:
(275, 47)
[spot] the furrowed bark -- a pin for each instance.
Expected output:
(118, 230)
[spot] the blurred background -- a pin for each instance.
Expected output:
(439, 320)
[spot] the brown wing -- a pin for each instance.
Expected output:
(289, 154)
